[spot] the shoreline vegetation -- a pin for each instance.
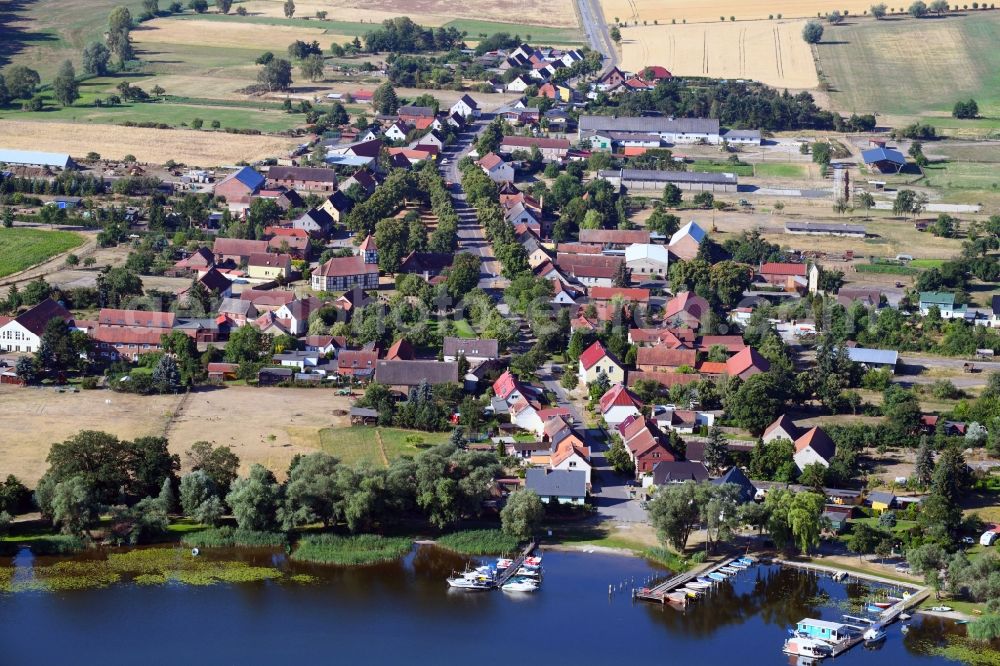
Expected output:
(356, 550)
(478, 542)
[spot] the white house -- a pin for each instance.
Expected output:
(24, 333)
(518, 84)
(526, 417)
(494, 167)
(465, 107)
(297, 314)
(397, 131)
(619, 404)
(572, 458)
(815, 446)
(563, 294)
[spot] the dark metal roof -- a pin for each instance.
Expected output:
(650, 124)
(556, 482)
(656, 176)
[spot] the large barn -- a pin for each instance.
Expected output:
(653, 181)
(36, 158)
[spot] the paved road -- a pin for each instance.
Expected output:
(471, 237)
(596, 28)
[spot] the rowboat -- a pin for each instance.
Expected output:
(881, 604)
(699, 585)
(729, 570)
(871, 608)
(716, 576)
(706, 580)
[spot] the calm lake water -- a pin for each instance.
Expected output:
(403, 611)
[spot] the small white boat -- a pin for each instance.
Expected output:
(471, 584)
(729, 570)
(533, 561)
(698, 585)
(706, 580)
(532, 573)
(874, 634)
(520, 585)
(941, 609)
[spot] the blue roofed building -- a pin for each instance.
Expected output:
(239, 187)
(884, 160)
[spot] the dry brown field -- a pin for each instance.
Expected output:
(559, 13)
(769, 51)
(665, 11)
(262, 425)
(148, 145)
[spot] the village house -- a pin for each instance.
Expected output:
(239, 188)
(337, 206)
(627, 295)
(643, 442)
(814, 447)
(296, 314)
(214, 282)
(343, 273)
(358, 364)
(200, 260)
(589, 270)
(268, 267)
(24, 332)
(111, 342)
(559, 486)
(397, 131)
(619, 404)
(570, 456)
(236, 251)
(611, 239)
(646, 259)
(400, 350)
(237, 311)
(475, 350)
(596, 360)
(551, 149)
(508, 388)
(465, 107)
(413, 114)
(686, 309)
(686, 241)
(267, 299)
(788, 276)
(327, 345)
(944, 301)
(310, 179)
(316, 222)
(746, 364)
(677, 471)
(428, 264)
(494, 167)
(404, 375)
(292, 244)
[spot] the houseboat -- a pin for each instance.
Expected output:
(819, 638)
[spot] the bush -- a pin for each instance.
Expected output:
(88, 383)
(478, 542)
(812, 32)
(351, 550)
(227, 537)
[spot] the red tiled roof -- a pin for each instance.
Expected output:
(401, 350)
(490, 160)
(783, 269)
(129, 335)
(745, 360)
(668, 379)
(818, 441)
(270, 260)
(664, 356)
(712, 368)
(343, 266)
(689, 302)
(619, 396)
(353, 359)
(238, 246)
(113, 317)
(628, 294)
(368, 244)
(506, 384)
(732, 343)
(592, 355)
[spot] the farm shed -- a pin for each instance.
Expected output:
(884, 160)
(874, 358)
(825, 229)
(653, 181)
(36, 158)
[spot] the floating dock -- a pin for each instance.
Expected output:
(509, 572)
(672, 590)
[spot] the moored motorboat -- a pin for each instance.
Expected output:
(706, 580)
(531, 573)
(698, 585)
(807, 647)
(940, 609)
(882, 604)
(520, 585)
(533, 561)
(729, 570)
(471, 584)
(874, 634)
(716, 576)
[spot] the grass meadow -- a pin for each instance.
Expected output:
(360, 443)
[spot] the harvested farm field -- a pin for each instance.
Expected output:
(261, 425)
(666, 11)
(772, 52)
(148, 145)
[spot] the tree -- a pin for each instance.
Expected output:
(879, 11)
(115, 285)
(312, 67)
(675, 511)
(132, 525)
(21, 81)
(75, 506)
(887, 520)
(951, 475)
(289, 8)
(918, 9)
(385, 100)
(276, 74)
(965, 110)
(716, 454)
(812, 32)
(254, 500)
(704, 199)
(672, 195)
(522, 515)
(168, 496)
(8, 217)
(246, 345)
(618, 457)
(166, 376)
(223, 6)
(199, 498)
(95, 59)
(835, 17)
(928, 560)
(662, 222)
(904, 202)
(463, 276)
(813, 476)
(923, 469)
(311, 493)
(938, 6)
(616, 34)
(119, 41)
(199, 6)
(864, 539)
(773, 461)
(15, 498)
(490, 139)
(220, 464)
(151, 7)
(756, 403)
(729, 280)
(621, 275)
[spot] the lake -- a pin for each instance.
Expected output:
(404, 611)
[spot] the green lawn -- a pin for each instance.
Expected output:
(536, 34)
(926, 263)
(711, 166)
(776, 170)
(356, 444)
(864, 63)
(21, 248)
(464, 329)
(331, 27)
(963, 175)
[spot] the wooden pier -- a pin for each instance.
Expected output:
(661, 592)
(509, 572)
